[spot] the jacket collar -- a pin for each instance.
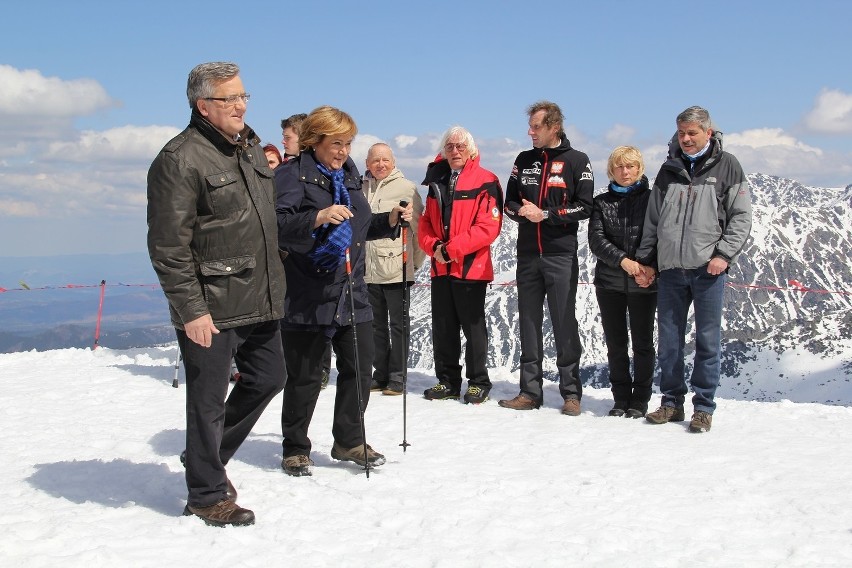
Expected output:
(564, 146)
(309, 173)
(247, 137)
(440, 169)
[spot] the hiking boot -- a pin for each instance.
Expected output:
(616, 412)
(392, 389)
(377, 386)
(571, 407)
(700, 421)
(633, 413)
(297, 465)
(520, 402)
(665, 414)
(324, 378)
(225, 512)
(476, 395)
(356, 455)
(440, 392)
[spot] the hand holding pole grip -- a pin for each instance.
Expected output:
(403, 203)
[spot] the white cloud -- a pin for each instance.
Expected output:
(29, 93)
(403, 140)
(123, 144)
(767, 137)
(619, 135)
(775, 152)
(832, 113)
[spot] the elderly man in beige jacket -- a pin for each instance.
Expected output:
(385, 186)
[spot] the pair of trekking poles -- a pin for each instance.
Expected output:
(403, 226)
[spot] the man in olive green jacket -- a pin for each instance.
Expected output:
(212, 239)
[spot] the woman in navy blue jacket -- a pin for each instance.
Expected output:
(615, 231)
(322, 212)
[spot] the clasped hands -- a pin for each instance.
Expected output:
(644, 275)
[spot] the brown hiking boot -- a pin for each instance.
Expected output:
(356, 455)
(297, 465)
(520, 402)
(571, 407)
(225, 512)
(665, 414)
(700, 421)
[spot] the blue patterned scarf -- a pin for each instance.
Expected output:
(329, 252)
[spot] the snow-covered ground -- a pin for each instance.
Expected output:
(90, 461)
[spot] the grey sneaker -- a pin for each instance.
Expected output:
(297, 465)
(665, 414)
(700, 421)
(356, 455)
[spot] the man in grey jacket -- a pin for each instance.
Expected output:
(697, 223)
(213, 241)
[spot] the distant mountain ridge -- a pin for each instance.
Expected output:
(800, 233)
(788, 313)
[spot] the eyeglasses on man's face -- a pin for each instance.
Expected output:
(460, 146)
(230, 100)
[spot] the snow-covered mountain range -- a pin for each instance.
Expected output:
(788, 314)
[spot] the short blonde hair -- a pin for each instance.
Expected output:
(624, 155)
(325, 121)
(467, 137)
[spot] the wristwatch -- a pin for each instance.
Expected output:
(545, 214)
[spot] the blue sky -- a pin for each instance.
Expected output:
(91, 90)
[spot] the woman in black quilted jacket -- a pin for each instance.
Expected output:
(615, 231)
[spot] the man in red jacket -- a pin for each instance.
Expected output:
(463, 216)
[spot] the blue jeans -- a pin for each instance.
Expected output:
(677, 289)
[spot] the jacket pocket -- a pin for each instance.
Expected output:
(226, 193)
(265, 175)
(229, 288)
(387, 265)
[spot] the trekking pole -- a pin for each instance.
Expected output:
(351, 280)
(404, 225)
(178, 357)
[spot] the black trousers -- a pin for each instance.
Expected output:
(303, 351)
(215, 427)
(555, 277)
(617, 308)
(391, 356)
(459, 305)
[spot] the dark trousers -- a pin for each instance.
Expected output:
(553, 276)
(616, 309)
(303, 351)
(215, 427)
(459, 305)
(389, 319)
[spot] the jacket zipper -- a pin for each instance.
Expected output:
(541, 197)
(683, 226)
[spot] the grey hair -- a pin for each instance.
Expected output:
(467, 137)
(205, 77)
(697, 115)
